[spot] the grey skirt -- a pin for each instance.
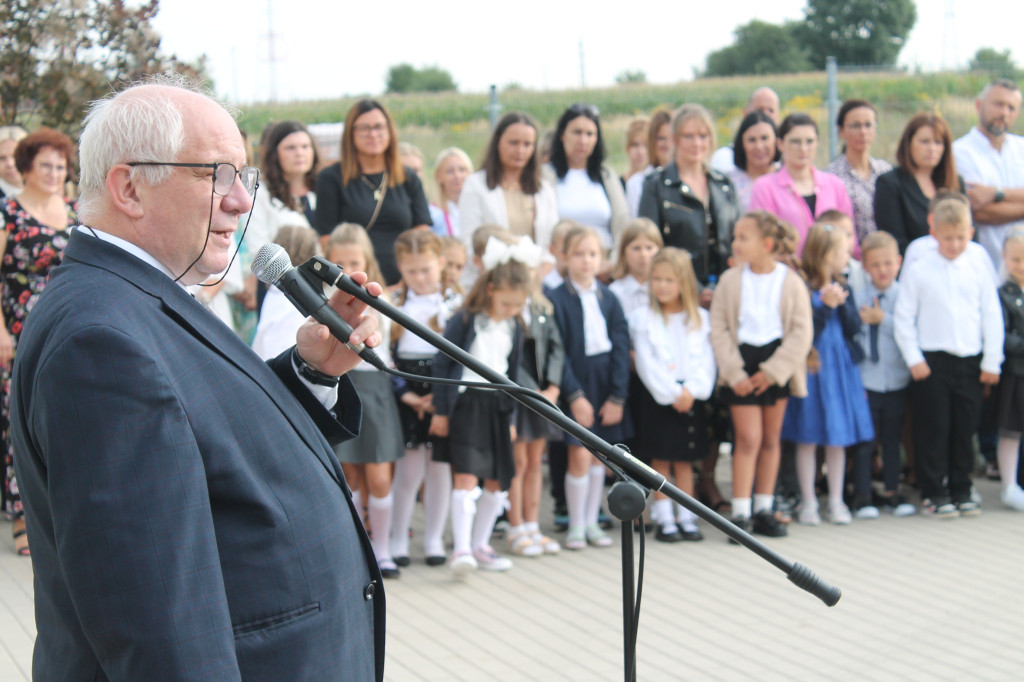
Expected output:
(380, 437)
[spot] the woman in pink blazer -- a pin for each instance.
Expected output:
(798, 192)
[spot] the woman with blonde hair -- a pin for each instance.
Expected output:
(451, 169)
(10, 178)
(370, 186)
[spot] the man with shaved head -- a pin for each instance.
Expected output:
(764, 100)
(188, 517)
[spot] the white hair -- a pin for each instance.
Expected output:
(141, 123)
(13, 133)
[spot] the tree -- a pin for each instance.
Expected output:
(407, 78)
(628, 76)
(759, 48)
(997, 63)
(860, 32)
(56, 56)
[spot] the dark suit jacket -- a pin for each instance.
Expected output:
(901, 208)
(188, 518)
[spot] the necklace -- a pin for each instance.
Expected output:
(376, 190)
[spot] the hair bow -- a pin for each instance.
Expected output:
(498, 253)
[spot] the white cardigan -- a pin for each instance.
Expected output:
(479, 205)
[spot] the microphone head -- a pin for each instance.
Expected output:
(270, 262)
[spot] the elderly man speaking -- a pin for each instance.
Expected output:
(188, 518)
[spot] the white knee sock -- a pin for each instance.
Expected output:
(379, 513)
(576, 499)
(463, 511)
(488, 509)
(437, 494)
(1007, 454)
(835, 463)
(807, 471)
(409, 472)
(595, 493)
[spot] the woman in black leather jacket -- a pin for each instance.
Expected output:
(694, 206)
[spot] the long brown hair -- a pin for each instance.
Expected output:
(270, 166)
(635, 229)
(510, 275)
(529, 181)
(821, 240)
(944, 174)
(350, 169)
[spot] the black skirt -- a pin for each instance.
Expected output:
(1010, 404)
(664, 434)
(596, 383)
(753, 356)
(480, 437)
(415, 431)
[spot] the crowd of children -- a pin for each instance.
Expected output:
(825, 352)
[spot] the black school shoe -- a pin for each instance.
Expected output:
(436, 560)
(673, 536)
(743, 523)
(692, 535)
(765, 523)
(402, 561)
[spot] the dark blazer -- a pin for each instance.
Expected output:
(569, 316)
(1012, 299)
(685, 223)
(901, 208)
(187, 515)
(549, 354)
(461, 331)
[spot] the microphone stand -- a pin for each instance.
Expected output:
(627, 498)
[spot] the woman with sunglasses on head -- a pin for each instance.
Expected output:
(857, 122)
(370, 187)
(588, 191)
(35, 223)
(508, 190)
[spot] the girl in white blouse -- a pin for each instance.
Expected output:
(672, 345)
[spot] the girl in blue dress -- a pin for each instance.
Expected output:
(835, 413)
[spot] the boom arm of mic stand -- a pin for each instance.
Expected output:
(798, 574)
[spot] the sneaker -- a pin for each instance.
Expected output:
(576, 538)
(968, 508)
(865, 511)
(975, 496)
(808, 515)
(766, 523)
(940, 508)
(741, 522)
(489, 560)
(1013, 497)
(898, 506)
(668, 532)
(839, 513)
(462, 564)
(597, 537)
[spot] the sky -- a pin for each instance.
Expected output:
(323, 49)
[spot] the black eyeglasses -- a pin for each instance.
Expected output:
(223, 174)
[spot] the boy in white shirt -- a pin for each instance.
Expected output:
(949, 328)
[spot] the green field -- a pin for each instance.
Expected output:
(435, 121)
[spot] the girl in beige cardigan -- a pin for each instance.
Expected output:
(761, 332)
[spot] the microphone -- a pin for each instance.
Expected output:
(271, 265)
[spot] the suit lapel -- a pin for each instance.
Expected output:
(205, 326)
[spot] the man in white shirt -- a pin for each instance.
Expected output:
(949, 328)
(991, 161)
(762, 99)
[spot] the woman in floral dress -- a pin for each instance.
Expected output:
(36, 223)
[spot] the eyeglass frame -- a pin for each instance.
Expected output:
(237, 172)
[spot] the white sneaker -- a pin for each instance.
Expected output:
(1013, 497)
(867, 512)
(808, 514)
(462, 565)
(489, 560)
(839, 513)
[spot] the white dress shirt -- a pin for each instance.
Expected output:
(635, 190)
(922, 246)
(631, 293)
(950, 306)
(595, 327)
(491, 346)
(979, 163)
(670, 356)
(760, 302)
(422, 309)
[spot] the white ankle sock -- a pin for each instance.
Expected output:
(379, 513)
(437, 494)
(576, 499)
(763, 502)
(685, 518)
(595, 493)
(463, 511)
(662, 511)
(488, 509)
(531, 527)
(741, 507)
(409, 471)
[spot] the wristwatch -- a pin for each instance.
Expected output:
(312, 375)
(1000, 195)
